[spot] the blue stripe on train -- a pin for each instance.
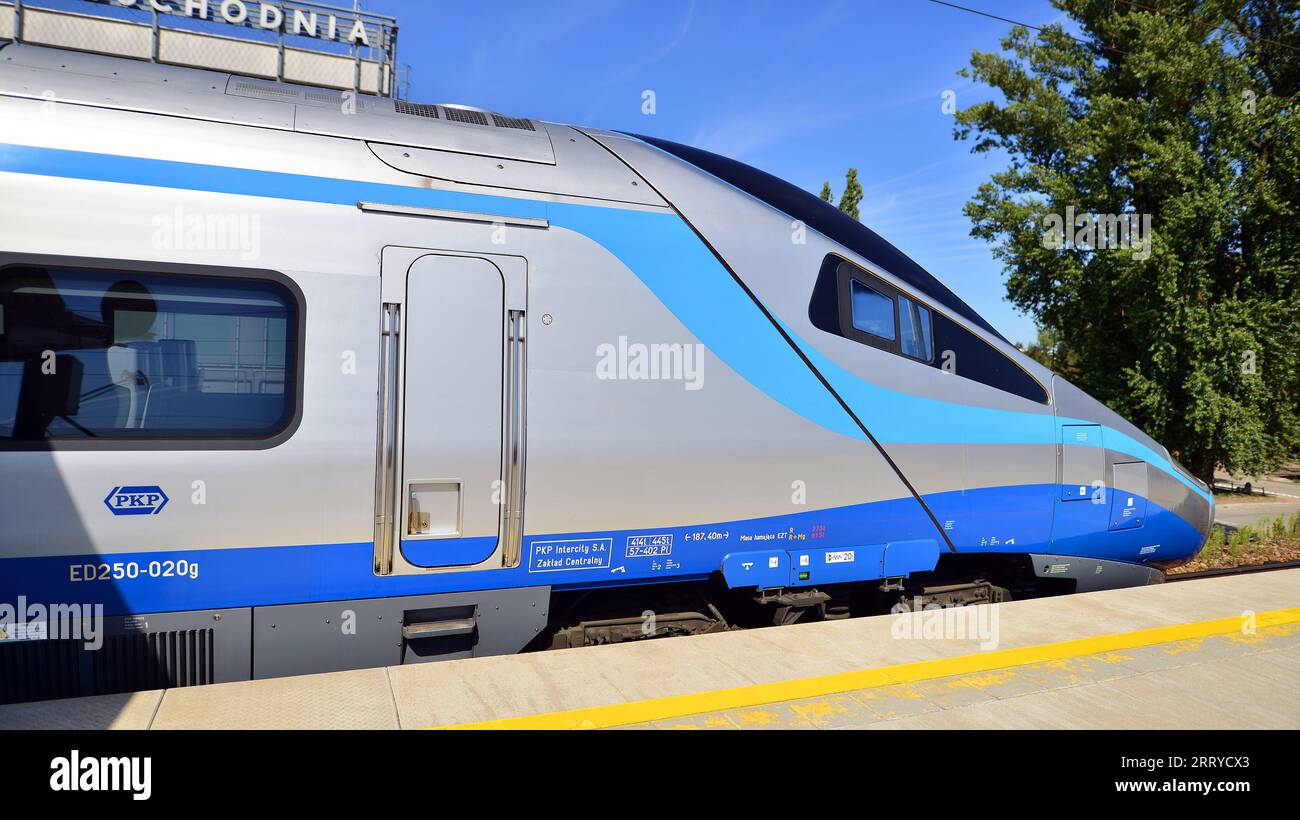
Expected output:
(659, 248)
(159, 581)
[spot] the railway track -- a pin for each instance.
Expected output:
(1242, 570)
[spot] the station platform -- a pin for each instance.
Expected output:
(1213, 653)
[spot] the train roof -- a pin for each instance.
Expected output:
(447, 142)
(448, 129)
(825, 218)
(123, 83)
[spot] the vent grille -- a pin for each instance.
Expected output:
(47, 669)
(153, 660)
(416, 109)
(266, 91)
(324, 97)
(468, 116)
(513, 122)
(40, 670)
(465, 115)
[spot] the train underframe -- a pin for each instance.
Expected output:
(174, 649)
(617, 614)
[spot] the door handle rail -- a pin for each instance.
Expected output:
(386, 439)
(514, 432)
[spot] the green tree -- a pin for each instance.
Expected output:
(852, 193)
(1189, 116)
(1047, 351)
(827, 194)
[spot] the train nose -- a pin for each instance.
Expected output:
(1201, 509)
(1197, 505)
(1196, 510)
(1206, 508)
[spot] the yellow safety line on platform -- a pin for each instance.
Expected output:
(676, 706)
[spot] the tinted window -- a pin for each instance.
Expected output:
(967, 355)
(872, 312)
(914, 329)
(824, 218)
(856, 304)
(101, 354)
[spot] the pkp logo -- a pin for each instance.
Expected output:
(145, 500)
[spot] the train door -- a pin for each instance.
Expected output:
(449, 468)
(1081, 500)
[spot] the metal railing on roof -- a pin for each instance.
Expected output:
(288, 40)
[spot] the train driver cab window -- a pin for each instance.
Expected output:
(109, 355)
(873, 312)
(856, 304)
(914, 330)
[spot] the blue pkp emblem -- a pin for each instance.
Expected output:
(145, 500)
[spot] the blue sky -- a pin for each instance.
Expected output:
(802, 90)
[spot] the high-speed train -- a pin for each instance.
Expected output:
(296, 380)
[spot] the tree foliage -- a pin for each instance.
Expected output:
(827, 194)
(1048, 351)
(852, 195)
(1188, 116)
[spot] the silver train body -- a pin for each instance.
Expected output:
(297, 381)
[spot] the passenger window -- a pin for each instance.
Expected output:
(872, 312)
(91, 354)
(914, 328)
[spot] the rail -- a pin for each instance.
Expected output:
(1220, 572)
